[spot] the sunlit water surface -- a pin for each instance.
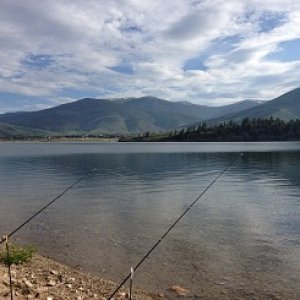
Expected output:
(243, 234)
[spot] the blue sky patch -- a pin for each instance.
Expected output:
(224, 44)
(11, 102)
(196, 63)
(220, 46)
(132, 29)
(287, 51)
(123, 68)
(39, 61)
(77, 94)
(270, 21)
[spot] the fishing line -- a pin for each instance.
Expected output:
(173, 225)
(48, 204)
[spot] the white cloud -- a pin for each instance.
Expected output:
(155, 39)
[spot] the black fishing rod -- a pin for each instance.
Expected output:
(172, 226)
(48, 204)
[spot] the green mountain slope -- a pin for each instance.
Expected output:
(18, 131)
(131, 115)
(285, 107)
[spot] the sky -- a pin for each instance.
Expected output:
(211, 52)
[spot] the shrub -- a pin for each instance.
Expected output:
(17, 254)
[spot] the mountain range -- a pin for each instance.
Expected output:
(136, 115)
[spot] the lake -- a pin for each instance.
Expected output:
(241, 237)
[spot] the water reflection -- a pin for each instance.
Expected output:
(244, 233)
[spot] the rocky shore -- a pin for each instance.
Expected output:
(43, 278)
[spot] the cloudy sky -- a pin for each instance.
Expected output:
(204, 51)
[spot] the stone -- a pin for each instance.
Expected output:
(27, 283)
(51, 282)
(42, 290)
(180, 291)
(53, 272)
(5, 283)
(220, 282)
(121, 296)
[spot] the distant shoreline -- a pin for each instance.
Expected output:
(131, 140)
(59, 139)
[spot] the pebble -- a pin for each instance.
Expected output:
(53, 272)
(220, 282)
(121, 295)
(27, 283)
(51, 282)
(5, 282)
(180, 291)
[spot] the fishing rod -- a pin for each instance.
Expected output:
(48, 204)
(172, 226)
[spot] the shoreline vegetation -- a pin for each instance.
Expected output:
(248, 130)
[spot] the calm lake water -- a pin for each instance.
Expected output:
(243, 235)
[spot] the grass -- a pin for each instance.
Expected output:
(17, 254)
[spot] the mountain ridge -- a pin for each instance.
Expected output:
(137, 115)
(121, 116)
(285, 107)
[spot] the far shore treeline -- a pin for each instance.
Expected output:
(248, 130)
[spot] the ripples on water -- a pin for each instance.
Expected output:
(243, 234)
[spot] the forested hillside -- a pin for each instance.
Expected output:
(248, 130)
